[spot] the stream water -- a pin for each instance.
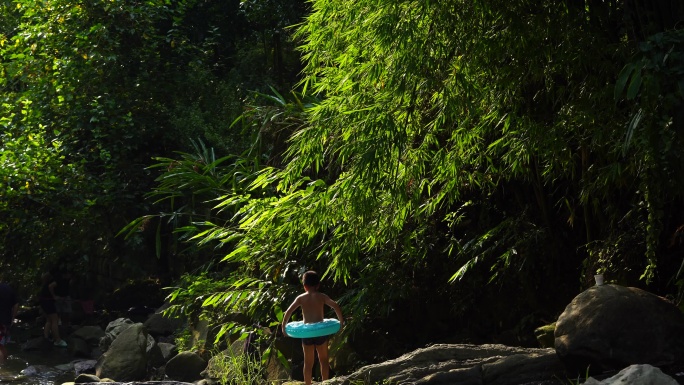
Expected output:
(49, 366)
(36, 368)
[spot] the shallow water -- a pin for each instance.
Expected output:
(53, 366)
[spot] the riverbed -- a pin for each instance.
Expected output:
(36, 368)
(50, 366)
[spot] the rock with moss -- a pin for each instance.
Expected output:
(544, 335)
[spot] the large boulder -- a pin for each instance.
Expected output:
(113, 329)
(126, 359)
(610, 327)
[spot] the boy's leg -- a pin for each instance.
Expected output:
(47, 328)
(54, 326)
(322, 350)
(309, 351)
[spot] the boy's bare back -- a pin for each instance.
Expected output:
(312, 303)
(313, 306)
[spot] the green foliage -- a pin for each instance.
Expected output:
(186, 298)
(63, 91)
(227, 304)
(422, 120)
(579, 379)
(431, 148)
(246, 360)
(432, 141)
(188, 188)
(193, 191)
(184, 341)
(91, 91)
(654, 78)
(236, 369)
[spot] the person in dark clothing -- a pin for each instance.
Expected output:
(8, 312)
(48, 305)
(63, 299)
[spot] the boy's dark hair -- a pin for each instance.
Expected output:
(311, 278)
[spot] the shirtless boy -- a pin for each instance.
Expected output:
(313, 304)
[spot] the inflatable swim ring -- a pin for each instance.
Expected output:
(299, 329)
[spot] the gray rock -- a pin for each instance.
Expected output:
(155, 357)
(610, 327)
(462, 363)
(84, 378)
(522, 368)
(36, 344)
(126, 359)
(85, 367)
(78, 347)
(463, 376)
(113, 329)
(158, 324)
(186, 366)
(107, 381)
(636, 375)
(168, 350)
(40, 370)
(91, 334)
(65, 367)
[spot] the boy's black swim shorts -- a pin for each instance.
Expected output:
(315, 340)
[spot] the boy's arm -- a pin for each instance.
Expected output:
(288, 313)
(330, 302)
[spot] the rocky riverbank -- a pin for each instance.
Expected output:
(606, 332)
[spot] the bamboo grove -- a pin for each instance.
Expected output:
(460, 156)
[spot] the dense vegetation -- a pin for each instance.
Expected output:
(468, 162)
(91, 91)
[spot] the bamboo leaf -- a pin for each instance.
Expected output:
(622, 79)
(633, 124)
(634, 85)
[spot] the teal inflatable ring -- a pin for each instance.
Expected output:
(299, 329)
